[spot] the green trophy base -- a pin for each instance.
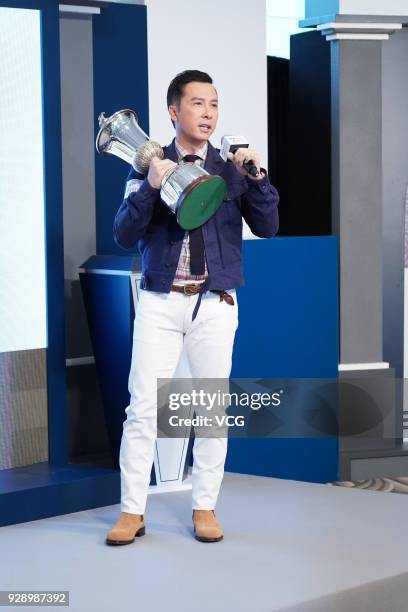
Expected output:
(200, 201)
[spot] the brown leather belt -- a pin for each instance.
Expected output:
(193, 288)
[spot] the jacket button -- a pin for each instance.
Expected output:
(173, 242)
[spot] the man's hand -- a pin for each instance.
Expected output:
(242, 155)
(157, 170)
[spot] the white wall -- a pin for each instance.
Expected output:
(374, 7)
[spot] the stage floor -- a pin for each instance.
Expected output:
(288, 545)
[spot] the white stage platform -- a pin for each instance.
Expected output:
(288, 545)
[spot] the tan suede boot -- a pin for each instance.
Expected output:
(126, 529)
(206, 526)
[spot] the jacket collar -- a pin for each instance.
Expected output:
(170, 151)
(214, 164)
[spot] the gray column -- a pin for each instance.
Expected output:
(356, 195)
(394, 188)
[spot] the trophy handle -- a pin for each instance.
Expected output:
(101, 119)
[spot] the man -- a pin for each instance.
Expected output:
(187, 296)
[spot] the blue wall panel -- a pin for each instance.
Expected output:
(288, 328)
(120, 81)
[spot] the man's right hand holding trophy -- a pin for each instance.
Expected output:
(158, 169)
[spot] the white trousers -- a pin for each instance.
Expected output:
(162, 330)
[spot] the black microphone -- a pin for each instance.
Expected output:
(229, 144)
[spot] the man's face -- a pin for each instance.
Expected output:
(197, 116)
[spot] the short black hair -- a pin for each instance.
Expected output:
(176, 88)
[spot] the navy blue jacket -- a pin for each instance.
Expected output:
(145, 219)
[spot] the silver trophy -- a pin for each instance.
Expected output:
(190, 192)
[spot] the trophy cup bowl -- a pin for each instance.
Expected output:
(188, 190)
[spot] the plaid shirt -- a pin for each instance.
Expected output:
(183, 274)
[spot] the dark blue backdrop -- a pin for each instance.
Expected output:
(288, 328)
(120, 81)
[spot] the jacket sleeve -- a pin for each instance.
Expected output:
(259, 207)
(136, 210)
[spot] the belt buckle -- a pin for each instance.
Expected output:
(188, 289)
